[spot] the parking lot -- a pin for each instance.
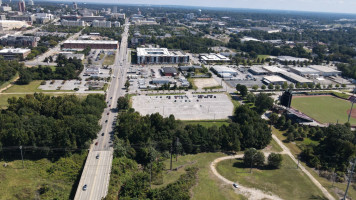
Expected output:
(185, 107)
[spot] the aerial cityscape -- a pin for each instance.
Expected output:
(160, 100)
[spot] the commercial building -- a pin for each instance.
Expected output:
(304, 71)
(294, 77)
(72, 23)
(19, 41)
(213, 57)
(290, 58)
(275, 80)
(10, 54)
(6, 25)
(273, 69)
(28, 18)
(71, 17)
(257, 71)
(93, 44)
(325, 71)
(5, 8)
(92, 18)
(224, 71)
(42, 18)
(117, 15)
(160, 56)
(169, 71)
(104, 24)
(92, 71)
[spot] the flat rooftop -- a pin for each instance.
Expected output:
(305, 70)
(273, 69)
(258, 69)
(92, 41)
(14, 50)
(322, 68)
(273, 79)
(153, 52)
(290, 58)
(295, 77)
(213, 57)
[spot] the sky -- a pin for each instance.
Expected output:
(338, 6)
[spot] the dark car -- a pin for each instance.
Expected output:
(96, 143)
(85, 187)
(106, 121)
(235, 185)
(108, 114)
(102, 134)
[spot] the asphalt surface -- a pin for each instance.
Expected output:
(96, 172)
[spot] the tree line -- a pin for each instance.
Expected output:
(55, 122)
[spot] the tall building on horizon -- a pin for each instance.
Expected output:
(114, 9)
(139, 12)
(22, 6)
(0, 2)
(75, 6)
(30, 3)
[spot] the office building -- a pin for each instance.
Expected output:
(160, 56)
(6, 25)
(19, 41)
(103, 24)
(72, 23)
(11, 54)
(30, 2)
(5, 8)
(93, 44)
(22, 6)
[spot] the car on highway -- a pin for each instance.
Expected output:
(102, 134)
(85, 187)
(106, 121)
(97, 156)
(110, 105)
(235, 185)
(108, 113)
(110, 97)
(96, 143)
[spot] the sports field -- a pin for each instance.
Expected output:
(325, 109)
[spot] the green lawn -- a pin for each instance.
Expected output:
(295, 149)
(287, 182)
(263, 56)
(208, 123)
(208, 186)
(19, 183)
(31, 87)
(325, 109)
(109, 60)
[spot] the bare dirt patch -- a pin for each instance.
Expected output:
(205, 82)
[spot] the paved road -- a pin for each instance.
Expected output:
(96, 173)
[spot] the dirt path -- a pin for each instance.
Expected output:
(250, 193)
(255, 194)
(11, 84)
(316, 182)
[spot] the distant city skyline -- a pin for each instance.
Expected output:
(337, 6)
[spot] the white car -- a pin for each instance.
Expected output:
(235, 185)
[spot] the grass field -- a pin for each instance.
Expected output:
(32, 87)
(263, 56)
(325, 109)
(109, 60)
(55, 179)
(294, 147)
(5, 84)
(208, 123)
(208, 186)
(286, 182)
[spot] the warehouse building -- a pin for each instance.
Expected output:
(257, 71)
(275, 80)
(224, 71)
(169, 71)
(273, 69)
(160, 56)
(294, 77)
(213, 57)
(11, 54)
(304, 71)
(325, 71)
(93, 44)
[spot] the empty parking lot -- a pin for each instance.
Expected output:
(185, 107)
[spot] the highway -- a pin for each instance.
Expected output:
(96, 172)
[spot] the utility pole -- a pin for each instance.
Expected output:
(350, 177)
(177, 140)
(171, 155)
(23, 165)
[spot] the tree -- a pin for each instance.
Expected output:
(275, 160)
(291, 86)
(263, 87)
(273, 118)
(242, 89)
(285, 86)
(251, 97)
(270, 86)
(127, 84)
(252, 157)
(255, 87)
(263, 102)
(123, 103)
(277, 87)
